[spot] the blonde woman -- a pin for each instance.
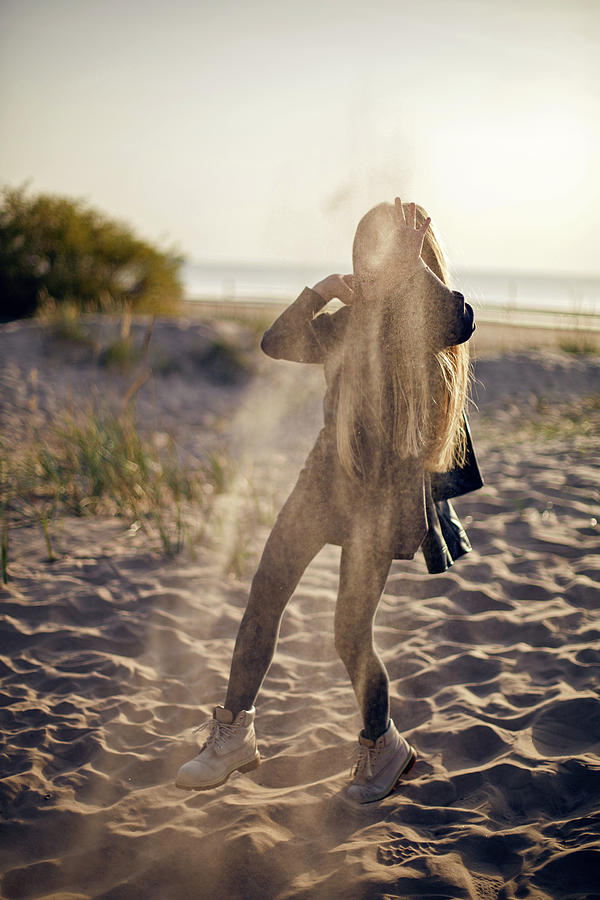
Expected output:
(394, 448)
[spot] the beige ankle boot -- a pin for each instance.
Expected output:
(230, 746)
(379, 766)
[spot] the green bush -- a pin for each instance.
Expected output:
(224, 363)
(52, 246)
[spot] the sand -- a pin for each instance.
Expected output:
(111, 655)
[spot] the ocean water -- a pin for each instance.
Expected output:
(521, 292)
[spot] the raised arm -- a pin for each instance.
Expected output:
(448, 319)
(299, 334)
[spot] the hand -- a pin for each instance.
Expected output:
(410, 238)
(338, 286)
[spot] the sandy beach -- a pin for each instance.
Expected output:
(112, 654)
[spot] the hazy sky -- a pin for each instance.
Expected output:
(263, 130)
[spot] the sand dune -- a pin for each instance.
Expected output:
(111, 656)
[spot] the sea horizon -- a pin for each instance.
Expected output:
(568, 293)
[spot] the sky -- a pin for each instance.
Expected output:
(262, 130)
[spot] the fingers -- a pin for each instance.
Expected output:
(335, 285)
(412, 216)
(346, 294)
(425, 225)
(409, 217)
(399, 211)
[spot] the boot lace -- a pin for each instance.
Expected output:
(218, 733)
(363, 762)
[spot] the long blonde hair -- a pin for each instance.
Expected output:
(393, 388)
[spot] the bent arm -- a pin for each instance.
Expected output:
(449, 320)
(299, 334)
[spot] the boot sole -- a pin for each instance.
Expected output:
(208, 785)
(412, 758)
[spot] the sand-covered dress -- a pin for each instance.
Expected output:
(406, 507)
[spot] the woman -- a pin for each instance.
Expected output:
(395, 446)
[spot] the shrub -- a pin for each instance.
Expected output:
(224, 363)
(579, 345)
(62, 248)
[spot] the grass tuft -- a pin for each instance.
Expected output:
(97, 462)
(579, 345)
(121, 354)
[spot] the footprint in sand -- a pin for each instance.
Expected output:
(400, 850)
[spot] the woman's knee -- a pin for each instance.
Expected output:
(353, 641)
(270, 590)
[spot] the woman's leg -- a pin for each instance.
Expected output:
(297, 536)
(363, 573)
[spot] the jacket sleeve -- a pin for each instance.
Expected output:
(448, 319)
(299, 334)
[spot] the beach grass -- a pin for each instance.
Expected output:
(576, 423)
(94, 461)
(579, 344)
